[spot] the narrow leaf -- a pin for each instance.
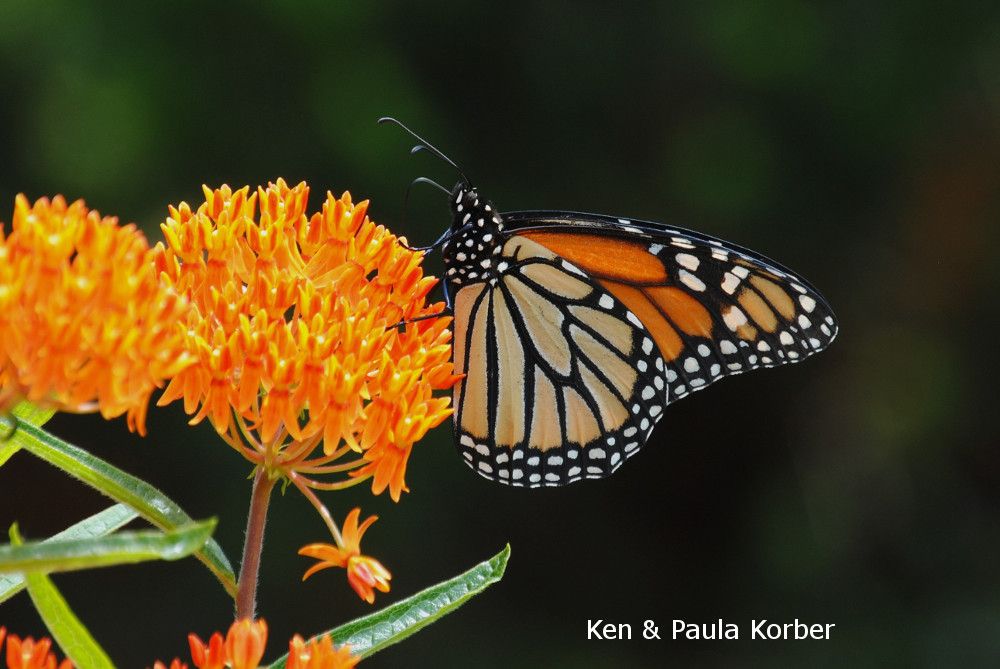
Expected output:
(369, 634)
(122, 487)
(73, 638)
(98, 525)
(122, 548)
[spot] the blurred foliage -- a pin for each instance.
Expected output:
(857, 142)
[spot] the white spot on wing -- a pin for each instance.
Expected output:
(687, 260)
(691, 281)
(734, 318)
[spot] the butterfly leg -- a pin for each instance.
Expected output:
(437, 314)
(448, 310)
(447, 295)
(438, 242)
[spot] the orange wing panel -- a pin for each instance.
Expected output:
(636, 277)
(665, 336)
(606, 257)
(686, 312)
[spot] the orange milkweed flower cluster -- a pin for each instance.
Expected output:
(30, 654)
(85, 324)
(243, 647)
(364, 573)
(294, 332)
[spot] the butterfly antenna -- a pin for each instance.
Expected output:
(406, 208)
(425, 180)
(425, 146)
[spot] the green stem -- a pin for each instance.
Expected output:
(246, 596)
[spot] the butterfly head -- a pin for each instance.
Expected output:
(475, 237)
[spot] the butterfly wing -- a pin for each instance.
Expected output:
(562, 382)
(710, 291)
(546, 391)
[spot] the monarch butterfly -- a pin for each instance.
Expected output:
(575, 331)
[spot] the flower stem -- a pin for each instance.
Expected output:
(300, 482)
(246, 596)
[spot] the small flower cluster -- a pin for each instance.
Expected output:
(243, 648)
(295, 332)
(85, 323)
(30, 654)
(364, 573)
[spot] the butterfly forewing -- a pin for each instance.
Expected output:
(716, 310)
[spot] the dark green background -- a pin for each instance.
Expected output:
(858, 143)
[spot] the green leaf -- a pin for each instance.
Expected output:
(122, 487)
(369, 634)
(98, 525)
(73, 638)
(122, 548)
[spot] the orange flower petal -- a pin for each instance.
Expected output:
(319, 654)
(29, 654)
(245, 643)
(211, 656)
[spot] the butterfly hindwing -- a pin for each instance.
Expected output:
(562, 381)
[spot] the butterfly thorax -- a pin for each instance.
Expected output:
(471, 254)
